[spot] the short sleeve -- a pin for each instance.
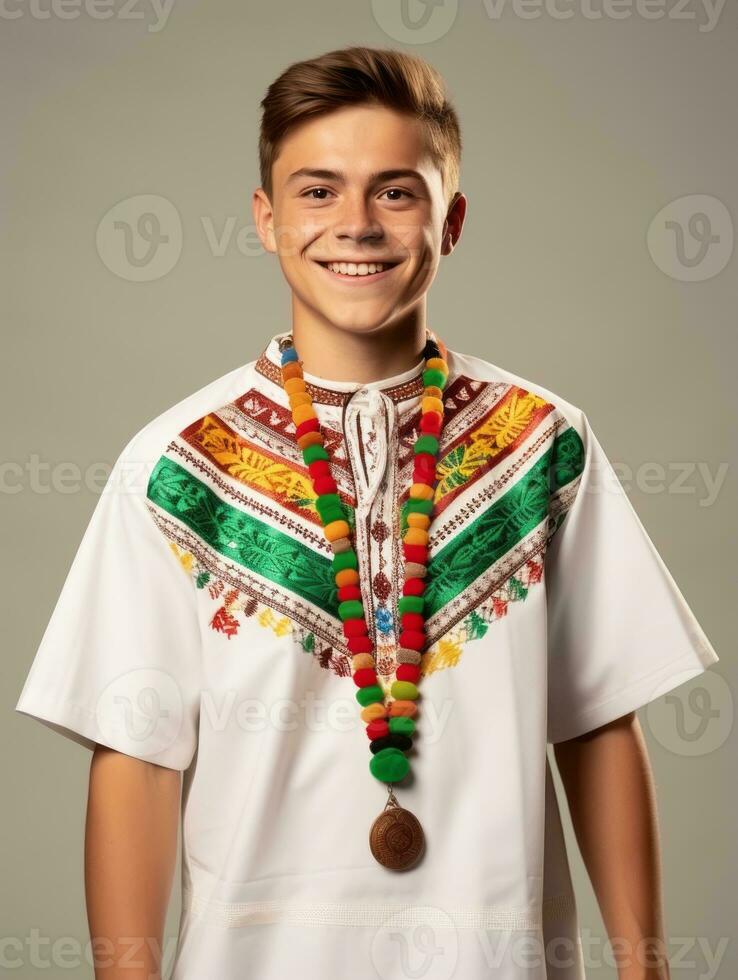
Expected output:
(120, 661)
(620, 632)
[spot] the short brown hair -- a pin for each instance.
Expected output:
(354, 76)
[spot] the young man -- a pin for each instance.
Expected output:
(268, 580)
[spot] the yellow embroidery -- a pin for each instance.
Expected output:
(280, 626)
(497, 432)
(185, 558)
(443, 654)
(247, 465)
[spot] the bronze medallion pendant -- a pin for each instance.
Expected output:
(396, 838)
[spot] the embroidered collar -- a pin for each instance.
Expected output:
(399, 387)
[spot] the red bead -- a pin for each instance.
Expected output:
(412, 621)
(360, 644)
(324, 484)
(377, 728)
(416, 552)
(412, 639)
(309, 425)
(365, 677)
(425, 459)
(431, 422)
(348, 592)
(408, 672)
(414, 586)
(355, 627)
(319, 467)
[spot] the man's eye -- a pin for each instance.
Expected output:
(397, 190)
(315, 190)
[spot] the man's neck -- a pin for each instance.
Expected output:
(336, 354)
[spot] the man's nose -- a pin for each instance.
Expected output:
(357, 219)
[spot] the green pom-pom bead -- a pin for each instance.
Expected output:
(351, 609)
(404, 691)
(316, 451)
(410, 603)
(389, 765)
(426, 444)
(327, 501)
(370, 694)
(402, 725)
(331, 514)
(345, 559)
(432, 376)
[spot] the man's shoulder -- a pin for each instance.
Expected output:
(478, 369)
(147, 444)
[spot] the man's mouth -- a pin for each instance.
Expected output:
(352, 270)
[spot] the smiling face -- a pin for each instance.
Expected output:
(358, 217)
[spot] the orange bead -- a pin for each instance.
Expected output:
(421, 491)
(294, 384)
(302, 412)
(437, 364)
(347, 576)
(299, 398)
(415, 535)
(373, 711)
(292, 369)
(433, 391)
(432, 405)
(403, 708)
(336, 529)
(418, 520)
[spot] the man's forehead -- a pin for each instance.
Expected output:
(346, 142)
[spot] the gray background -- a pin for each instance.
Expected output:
(577, 133)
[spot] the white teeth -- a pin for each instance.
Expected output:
(354, 269)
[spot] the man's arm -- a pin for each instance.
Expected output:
(130, 853)
(609, 787)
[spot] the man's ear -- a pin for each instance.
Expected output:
(454, 223)
(261, 208)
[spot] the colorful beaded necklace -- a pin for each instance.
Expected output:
(396, 837)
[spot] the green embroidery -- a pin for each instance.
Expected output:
(567, 463)
(291, 565)
(517, 589)
(488, 538)
(475, 626)
(505, 523)
(242, 538)
(567, 459)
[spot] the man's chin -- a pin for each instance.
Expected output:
(360, 318)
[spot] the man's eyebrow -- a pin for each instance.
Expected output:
(339, 176)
